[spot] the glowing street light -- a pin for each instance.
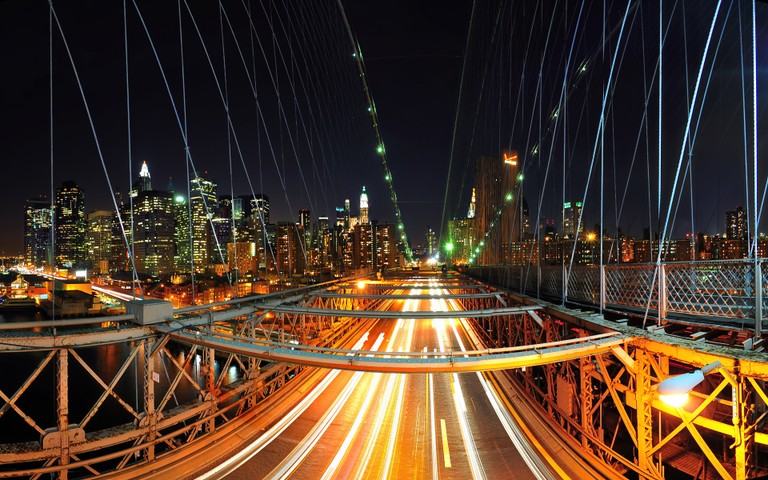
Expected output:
(360, 284)
(449, 247)
(674, 390)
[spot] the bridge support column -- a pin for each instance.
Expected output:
(758, 299)
(62, 405)
(211, 393)
(586, 368)
(644, 415)
(150, 416)
(744, 429)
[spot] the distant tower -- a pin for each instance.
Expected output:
(472, 204)
(363, 207)
(346, 214)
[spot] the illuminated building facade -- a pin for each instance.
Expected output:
(362, 246)
(37, 231)
(203, 203)
(242, 257)
(154, 232)
(386, 246)
(99, 239)
(571, 213)
(290, 254)
(70, 225)
(182, 246)
(363, 207)
(496, 188)
(736, 224)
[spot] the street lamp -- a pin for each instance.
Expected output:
(674, 390)
(360, 284)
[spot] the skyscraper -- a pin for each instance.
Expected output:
(347, 215)
(431, 241)
(363, 207)
(203, 202)
(386, 246)
(182, 247)
(363, 253)
(571, 214)
(306, 224)
(154, 228)
(70, 225)
(736, 224)
(98, 239)
(37, 231)
(290, 255)
(496, 184)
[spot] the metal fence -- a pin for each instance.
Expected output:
(727, 289)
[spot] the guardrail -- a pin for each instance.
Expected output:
(729, 289)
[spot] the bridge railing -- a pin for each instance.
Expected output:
(726, 289)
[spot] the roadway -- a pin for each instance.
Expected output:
(374, 425)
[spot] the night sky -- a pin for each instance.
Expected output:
(316, 135)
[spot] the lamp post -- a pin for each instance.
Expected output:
(674, 390)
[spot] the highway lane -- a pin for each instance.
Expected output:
(372, 425)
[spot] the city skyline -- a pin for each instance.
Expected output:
(414, 76)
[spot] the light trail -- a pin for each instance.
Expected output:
(460, 404)
(240, 458)
(398, 409)
(292, 461)
(529, 454)
(393, 381)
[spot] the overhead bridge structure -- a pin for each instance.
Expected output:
(180, 380)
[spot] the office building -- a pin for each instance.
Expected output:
(70, 225)
(203, 202)
(99, 239)
(37, 231)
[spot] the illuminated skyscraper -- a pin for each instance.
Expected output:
(70, 225)
(571, 214)
(472, 204)
(363, 207)
(37, 231)
(386, 246)
(736, 224)
(153, 236)
(290, 256)
(363, 253)
(203, 202)
(98, 239)
(181, 243)
(347, 225)
(306, 224)
(496, 186)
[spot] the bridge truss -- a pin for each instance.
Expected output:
(183, 383)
